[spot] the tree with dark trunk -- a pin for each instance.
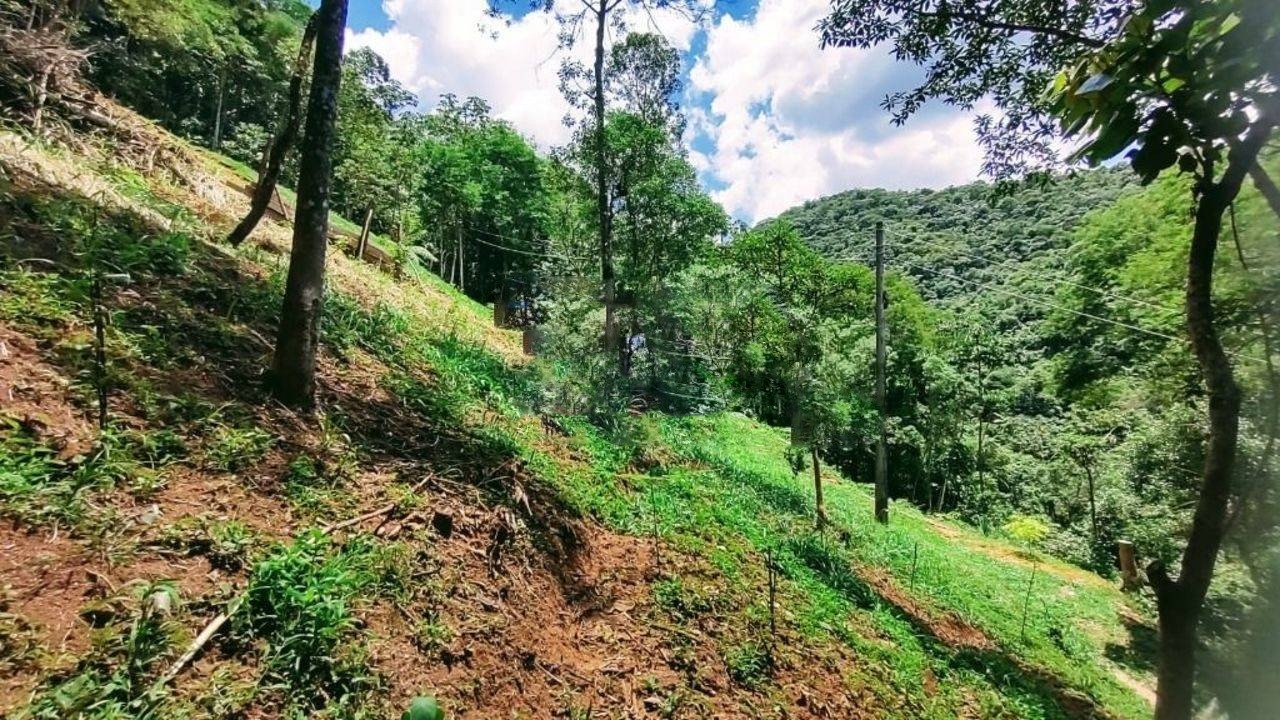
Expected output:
(1180, 600)
(279, 148)
(294, 366)
(820, 506)
(1266, 186)
(600, 15)
(1172, 84)
(603, 205)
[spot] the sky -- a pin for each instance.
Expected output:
(773, 119)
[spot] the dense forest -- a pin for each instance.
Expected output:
(1073, 361)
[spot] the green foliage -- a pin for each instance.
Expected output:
(978, 232)
(423, 708)
(115, 680)
(228, 544)
(748, 665)
(1177, 84)
(230, 449)
(1027, 529)
(41, 488)
(300, 601)
(177, 60)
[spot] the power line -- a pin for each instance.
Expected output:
(1048, 304)
(1059, 279)
(696, 356)
(712, 399)
(1091, 316)
(521, 251)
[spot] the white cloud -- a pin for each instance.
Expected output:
(783, 120)
(790, 121)
(453, 46)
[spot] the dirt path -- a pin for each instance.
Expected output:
(1006, 554)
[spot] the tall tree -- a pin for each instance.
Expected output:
(294, 365)
(599, 16)
(643, 76)
(1183, 83)
(278, 149)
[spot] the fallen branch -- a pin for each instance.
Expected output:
(198, 644)
(372, 513)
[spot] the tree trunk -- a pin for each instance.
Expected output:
(462, 263)
(283, 142)
(1179, 601)
(1263, 182)
(882, 406)
(42, 96)
(1093, 507)
(602, 185)
(364, 234)
(217, 112)
(982, 429)
(294, 367)
(820, 508)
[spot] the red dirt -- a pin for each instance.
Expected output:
(946, 627)
(528, 644)
(34, 393)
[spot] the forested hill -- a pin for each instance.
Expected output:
(974, 232)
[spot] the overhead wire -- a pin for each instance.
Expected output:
(1058, 279)
(1051, 305)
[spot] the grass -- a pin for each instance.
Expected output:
(136, 634)
(301, 601)
(715, 488)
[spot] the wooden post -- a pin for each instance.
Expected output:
(217, 113)
(1026, 603)
(882, 462)
(364, 234)
(772, 574)
(1129, 577)
(820, 514)
(500, 311)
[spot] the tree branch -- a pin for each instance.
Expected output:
(1013, 27)
(1266, 186)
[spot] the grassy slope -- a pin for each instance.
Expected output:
(646, 546)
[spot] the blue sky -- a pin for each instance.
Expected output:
(774, 120)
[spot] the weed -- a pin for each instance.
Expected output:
(748, 664)
(228, 544)
(116, 679)
(224, 697)
(20, 648)
(39, 488)
(432, 635)
(299, 601)
(231, 449)
(680, 600)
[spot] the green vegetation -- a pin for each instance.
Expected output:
(1041, 403)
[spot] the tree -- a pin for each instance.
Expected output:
(599, 15)
(201, 68)
(372, 156)
(1183, 83)
(294, 366)
(643, 76)
(1191, 85)
(278, 149)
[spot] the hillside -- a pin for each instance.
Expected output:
(527, 566)
(976, 231)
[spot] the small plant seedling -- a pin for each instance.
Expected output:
(423, 707)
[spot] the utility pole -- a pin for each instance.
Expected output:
(882, 462)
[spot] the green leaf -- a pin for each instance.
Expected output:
(423, 707)
(1097, 83)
